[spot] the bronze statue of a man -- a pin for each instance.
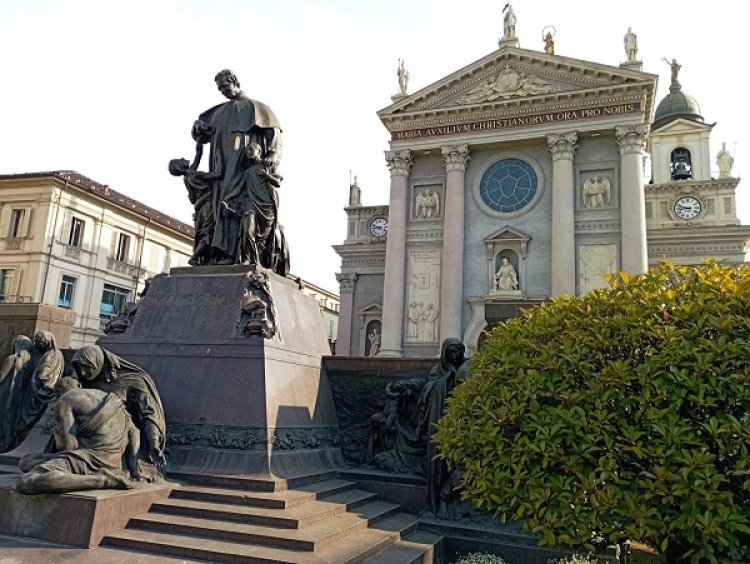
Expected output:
(93, 433)
(243, 135)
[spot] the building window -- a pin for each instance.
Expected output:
(16, 223)
(6, 284)
(113, 300)
(123, 248)
(75, 237)
(67, 289)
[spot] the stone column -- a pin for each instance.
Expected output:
(452, 262)
(346, 313)
(634, 248)
(399, 163)
(562, 244)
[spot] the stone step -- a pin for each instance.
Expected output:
(292, 518)
(278, 500)
(253, 482)
(417, 548)
(354, 549)
(314, 537)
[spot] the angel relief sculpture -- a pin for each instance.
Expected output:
(596, 192)
(428, 204)
(506, 84)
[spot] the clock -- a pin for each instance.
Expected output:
(687, 207)
(508, 185)
(379, 227)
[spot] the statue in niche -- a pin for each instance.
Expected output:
(401, 436)
(236, 201)
(27, 386)
(374, 339)
(506, 278)
(428, 204)
(100, 369)
(93, 434)
(403, 78)
(725, 160)
(631, 46)
(596, 192)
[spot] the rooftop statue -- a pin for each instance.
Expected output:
(630, 42)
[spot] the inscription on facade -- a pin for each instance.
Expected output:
(521, 121)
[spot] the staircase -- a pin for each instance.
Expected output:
(313, 519)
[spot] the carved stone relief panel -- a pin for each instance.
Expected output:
(596, 189)
(594, 262)
(423, 306)
(427, 202)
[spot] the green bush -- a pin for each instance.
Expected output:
(619, 415)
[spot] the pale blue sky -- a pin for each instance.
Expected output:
(110, 89)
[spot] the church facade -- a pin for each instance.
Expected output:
(519, 178)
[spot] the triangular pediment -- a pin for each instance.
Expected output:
(682, 126)
(517, 79)
(372, 309)
(507, 234)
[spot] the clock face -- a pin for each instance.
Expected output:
(379, 226)
(508, 185)
(687, 207)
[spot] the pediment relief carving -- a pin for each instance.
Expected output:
(507, 83)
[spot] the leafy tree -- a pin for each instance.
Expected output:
(624, 414)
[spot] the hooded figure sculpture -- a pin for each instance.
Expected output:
(27, 385)
(444, 376)
(105, 371)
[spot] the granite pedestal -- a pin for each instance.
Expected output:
(235, 401)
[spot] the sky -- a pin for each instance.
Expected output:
(111, 89)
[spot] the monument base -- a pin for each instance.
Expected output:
(235, 352)
(79, 519)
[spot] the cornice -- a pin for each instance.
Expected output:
(691, 185)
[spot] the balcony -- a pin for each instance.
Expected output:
(72, 252)
(125, 268)
(13, 243)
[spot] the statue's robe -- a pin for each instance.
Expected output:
(236, 124)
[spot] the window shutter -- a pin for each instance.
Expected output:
(4, 221)
(65, 231)
(113, 243)
(15, 280)
(25, 222)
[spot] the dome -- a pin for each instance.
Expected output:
(676, 105)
